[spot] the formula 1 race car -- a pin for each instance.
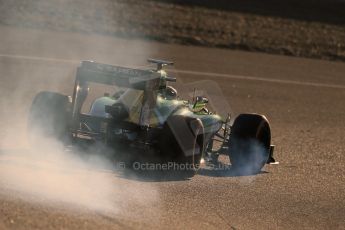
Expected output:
(144, 118)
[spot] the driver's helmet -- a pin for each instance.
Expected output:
(169, 93)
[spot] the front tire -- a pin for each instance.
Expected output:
(249, 143)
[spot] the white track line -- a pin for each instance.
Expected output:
(190, 72)
(280, 81)
(38, 58)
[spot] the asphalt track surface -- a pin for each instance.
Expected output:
(302, 98)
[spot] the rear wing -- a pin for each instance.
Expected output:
(90, 71)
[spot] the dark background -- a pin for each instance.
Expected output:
(326, 11)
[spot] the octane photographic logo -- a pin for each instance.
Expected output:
(148, 166)
(168, 166)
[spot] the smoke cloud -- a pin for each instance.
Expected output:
(56, 175)
(47, 172)
(50, 173)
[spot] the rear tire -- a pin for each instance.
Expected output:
(249, 143)
(182, 142)
(48, 116)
